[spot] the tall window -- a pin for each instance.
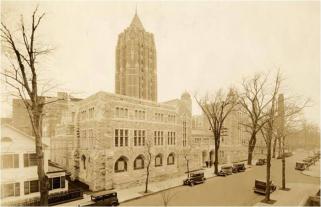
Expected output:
(9, 161)
(121, 137)
(10, 189)
(30, 159)
(158, 137)
(171, 138)
(83, 160)
(184, 133)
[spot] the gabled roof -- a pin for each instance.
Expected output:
(21, 132)
(136, 23)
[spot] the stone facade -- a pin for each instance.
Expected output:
(110, 131)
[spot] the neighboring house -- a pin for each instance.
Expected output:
(19, 178)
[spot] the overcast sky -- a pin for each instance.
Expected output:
(200, 46)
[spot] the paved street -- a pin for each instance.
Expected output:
(232, 190)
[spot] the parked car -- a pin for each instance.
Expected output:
(225, 170)
(260, 187)
(105, 198)
(195, 177)
(308, 161)
(261, 161)
(300, 166)
(238, 167)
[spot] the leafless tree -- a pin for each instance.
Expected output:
(254, 100)
(167, 196)
(187, 156)
(268, 129)
(216, 109)
(289, 115)
(148, 159)
(22, 77)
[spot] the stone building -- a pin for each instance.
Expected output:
(103, 140)
(108, 136)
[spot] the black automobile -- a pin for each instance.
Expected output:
(195, 177)
(225, 170)
(239, 167)
(260, 187)
(300, 166)
(261, 162)
(105, 198)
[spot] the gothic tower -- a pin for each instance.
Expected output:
(136, 73)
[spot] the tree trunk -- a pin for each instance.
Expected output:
(147, 178)
(268, 168)
(283, 165)
(43, 179)
(187, 165)
(274, 147)
(216, 159)
(280, 147)
(251, 147)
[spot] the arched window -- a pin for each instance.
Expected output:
(121, 164)
(159, 160)
(171, 159)
(6, 139)
(83, 159)
(139, 162)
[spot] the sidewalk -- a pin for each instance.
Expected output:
(313, 170)
(136, 192)
(296, 196)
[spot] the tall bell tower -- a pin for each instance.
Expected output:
(136, 69)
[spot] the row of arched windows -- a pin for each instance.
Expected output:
(139, 163)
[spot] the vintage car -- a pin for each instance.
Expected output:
(104, 198)
(238, 167)
(261, 161)
(300, 166)
(260, 187)
(308, 161)
(195, 177)
(225, 170)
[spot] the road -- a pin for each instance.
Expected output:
(232, 190)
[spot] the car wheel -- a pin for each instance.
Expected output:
(114, 204)
(191, 184)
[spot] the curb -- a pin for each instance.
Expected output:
(152, 193)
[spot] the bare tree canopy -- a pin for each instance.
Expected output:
(216, 108)
(21, 76)
(255, 99)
